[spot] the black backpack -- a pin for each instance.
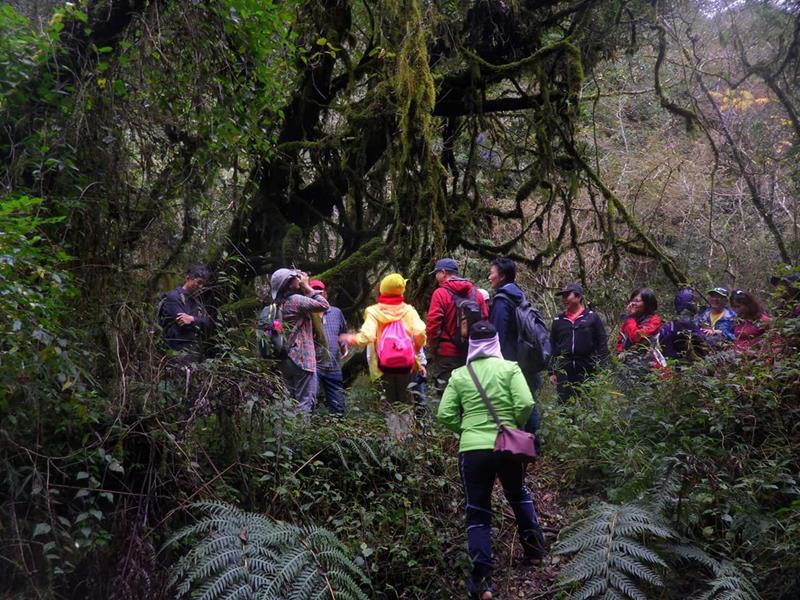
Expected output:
(533, 338)
(468, 312)
(269, 333)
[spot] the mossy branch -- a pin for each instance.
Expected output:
(361, 261)
(671, 270)
(690, 118)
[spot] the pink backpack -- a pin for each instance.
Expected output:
(395, 350)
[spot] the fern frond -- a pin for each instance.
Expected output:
(688, 552)
(247, 555)
(344, 581)
(668, 485)
(624, 585)
(305, 583)
(243, 592)
(633, 548)
(612, 594)
(215, 587)
(582, 540)
(591, 589)
(635, 568)
(590, 565)
(730, 584)
(613, 556)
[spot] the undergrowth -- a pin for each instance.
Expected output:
(727, 431)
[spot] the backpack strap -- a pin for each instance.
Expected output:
(485, 397)
(508, 297)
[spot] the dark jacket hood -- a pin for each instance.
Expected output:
(684, 300)
(511, 290)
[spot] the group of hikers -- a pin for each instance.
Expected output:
(478, 347)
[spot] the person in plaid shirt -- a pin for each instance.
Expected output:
(299, 302)
(329, 371)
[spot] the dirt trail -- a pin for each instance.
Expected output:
(512, 580)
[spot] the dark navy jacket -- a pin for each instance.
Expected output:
(503, 317)
(183, 337)
(578, 346)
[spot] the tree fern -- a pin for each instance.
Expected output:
(241, 555)
(611, 560)
(623, 551)
(729, 584)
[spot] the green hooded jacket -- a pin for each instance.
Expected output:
(463, 410)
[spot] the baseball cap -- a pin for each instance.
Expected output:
(572, 287)
(316, 284)
(719, 291)
(445, 264)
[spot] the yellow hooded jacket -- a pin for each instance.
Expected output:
(378, 316)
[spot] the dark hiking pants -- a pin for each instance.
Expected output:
(479, 468)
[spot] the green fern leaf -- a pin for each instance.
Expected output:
(247, 555)
(625, 586)
(591, 589)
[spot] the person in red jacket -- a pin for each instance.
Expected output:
(751, 322)
(443, 351)
(640, 322)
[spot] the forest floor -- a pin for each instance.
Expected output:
(512, 580)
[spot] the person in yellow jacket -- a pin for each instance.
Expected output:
(391, 307)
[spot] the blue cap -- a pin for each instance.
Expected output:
(445, 264)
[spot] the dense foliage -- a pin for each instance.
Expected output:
(614, 142)
(713, 449)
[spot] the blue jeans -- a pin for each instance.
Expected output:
(333, 387)
(479, 468)
(418, 393)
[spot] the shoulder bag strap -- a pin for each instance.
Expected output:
(486, 400)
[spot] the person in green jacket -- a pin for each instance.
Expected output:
(463, 410)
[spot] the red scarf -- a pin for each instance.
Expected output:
(390, 299)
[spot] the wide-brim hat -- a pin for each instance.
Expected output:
(280, 279)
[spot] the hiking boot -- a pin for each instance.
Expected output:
(534, 548)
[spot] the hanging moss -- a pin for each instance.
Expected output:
(419, 194)
(293, 241)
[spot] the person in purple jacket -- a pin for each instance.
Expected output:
(682, 338)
